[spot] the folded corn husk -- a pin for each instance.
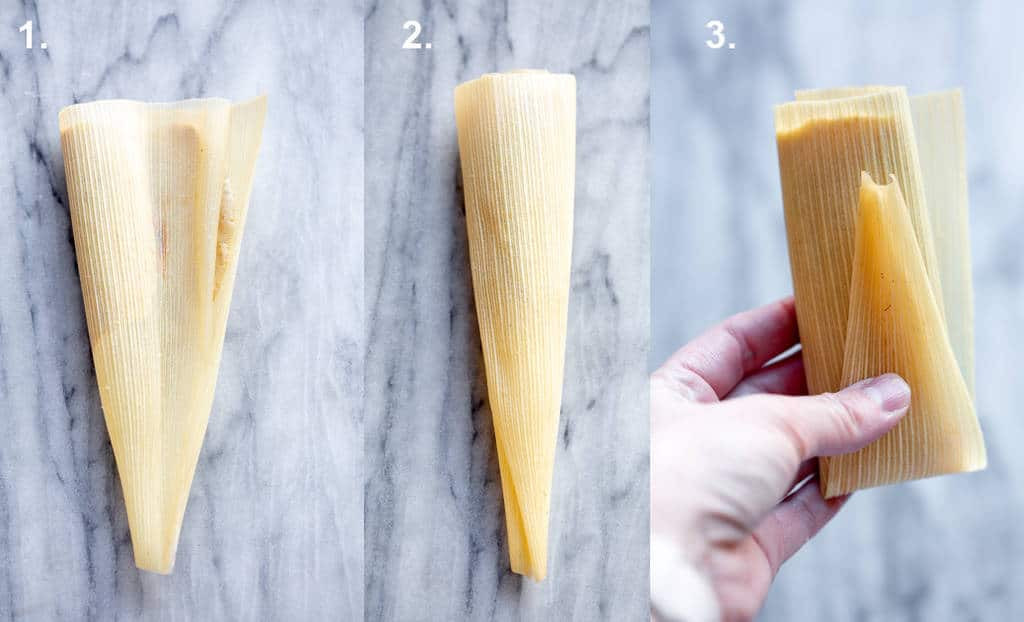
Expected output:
(158, 199)
(939, 130)
(938, 123)
(826, 140)
(517, 141)
(895, 326)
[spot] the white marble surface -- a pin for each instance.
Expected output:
(435, 531)
(273, 529)
(942, 549)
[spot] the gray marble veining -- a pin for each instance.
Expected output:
(435, 531)
(949, 548)
(273, 529)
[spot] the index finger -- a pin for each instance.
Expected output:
(710, 366)
(795, 521)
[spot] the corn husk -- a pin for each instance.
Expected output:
(827, 140)
(517, 141)
(158, 200)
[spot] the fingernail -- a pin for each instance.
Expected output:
(890, 392)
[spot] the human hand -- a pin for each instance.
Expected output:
(730, 447)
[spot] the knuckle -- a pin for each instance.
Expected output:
(794, 433)
(690, 385)
(772, 547)
(849, 415)
(742, 342)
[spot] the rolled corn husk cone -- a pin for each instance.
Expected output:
(517, 141)
(158, 199)
(895, 326)
(827, 140)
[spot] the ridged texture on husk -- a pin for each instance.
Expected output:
(517, 141)
(824, 145)
(895, 326)
(938, 121)
(827, 140)
(158, 199)
(939, 128)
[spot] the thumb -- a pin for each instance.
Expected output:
(834, 423)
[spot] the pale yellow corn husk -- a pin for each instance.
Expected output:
(895, 325)
(823, 146)
(937, 220)
(938, 120)
(517, 141)
(939, 128)
(839, 92)
(158, 199)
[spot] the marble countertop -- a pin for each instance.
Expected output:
(942, 549)
(435, 528)
(273, 529)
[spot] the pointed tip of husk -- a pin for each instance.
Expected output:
(156, 566)
(527, 555)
